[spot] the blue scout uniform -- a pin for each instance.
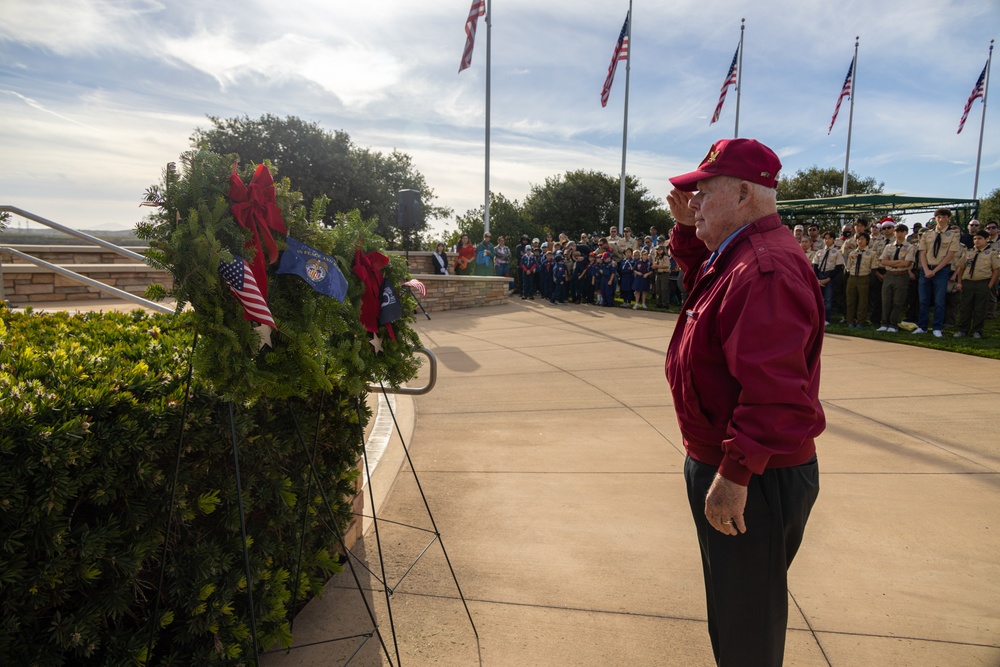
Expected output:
(608, 275)
(589, 283)
(578, 278)
(560, 277)
(545, 277)
(640, 283)
(528, 266)
(625, 271)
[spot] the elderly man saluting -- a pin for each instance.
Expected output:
(743, 367)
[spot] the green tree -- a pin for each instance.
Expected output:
(507, 219)
(587, 201)
(816, 183)
(989, 208)
(325, 164)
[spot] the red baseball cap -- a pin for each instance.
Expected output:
(746, 159)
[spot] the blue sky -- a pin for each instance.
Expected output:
(97, 96)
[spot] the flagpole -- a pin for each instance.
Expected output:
(486, 197)
(850, 118)
(628, 70)
(739, 81)
(982, 122)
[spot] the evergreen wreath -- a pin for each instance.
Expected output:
(321, 343)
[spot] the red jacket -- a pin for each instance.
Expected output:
(743, 363)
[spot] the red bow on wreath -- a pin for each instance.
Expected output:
(255, 209)
(368, 268)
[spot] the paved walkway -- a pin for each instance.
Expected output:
(551, 458)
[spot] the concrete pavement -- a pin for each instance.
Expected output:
(551, 459)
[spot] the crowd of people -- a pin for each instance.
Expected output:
(596, 270)
(935, 276)
(922, 280)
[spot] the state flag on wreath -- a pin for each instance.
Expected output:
(318, 269)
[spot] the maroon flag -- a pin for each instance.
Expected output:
(478, 9)
(846, 91)
(243, 285)
(620, 53)
(730, 81)
(977, 91)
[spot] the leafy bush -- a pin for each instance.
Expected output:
(90, 420)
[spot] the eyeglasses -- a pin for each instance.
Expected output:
(991, 226)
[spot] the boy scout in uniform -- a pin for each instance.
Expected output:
(938, 246)
(953, 300)
(976, 279)
(828, 264)
(897, 259)
(861, 261)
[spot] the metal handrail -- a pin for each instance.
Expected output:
(83, 236)
(73, 275)
(121, 294)
(414, 391)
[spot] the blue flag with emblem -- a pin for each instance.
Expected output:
(316, 268)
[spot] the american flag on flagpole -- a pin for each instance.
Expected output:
(413, 283)
(243, 285)
(846, 91)
(478, 9)
(977, 91)
(621, 53)
(730, 81)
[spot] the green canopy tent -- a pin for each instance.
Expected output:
(874, 206)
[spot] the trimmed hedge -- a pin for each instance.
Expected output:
(90, 418)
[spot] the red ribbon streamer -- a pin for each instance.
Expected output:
(255, 208)
(368, 269)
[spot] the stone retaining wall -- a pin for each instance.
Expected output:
(25, 284)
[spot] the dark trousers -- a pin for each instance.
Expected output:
(746, 576)
(895, 289)
(875, 298)
(975, 302)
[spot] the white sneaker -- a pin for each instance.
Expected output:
(882, 329)
(937, 333)
(644, 306)
(635, 306)
(891, 330)
(918, 330)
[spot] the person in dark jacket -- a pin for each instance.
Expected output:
(744, 368)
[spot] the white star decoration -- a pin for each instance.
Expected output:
(264, 332)
(376, 342)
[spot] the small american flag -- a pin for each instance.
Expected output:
(846, 91)
(244, 286)
(413, 283)
(730, 81)
(621, 53)
(977, 91)
(478, 9)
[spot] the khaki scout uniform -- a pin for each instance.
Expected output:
(896, 285)
(935, 246)
(949, 243)
(826, 259)
(860, 264)
(977, 278)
